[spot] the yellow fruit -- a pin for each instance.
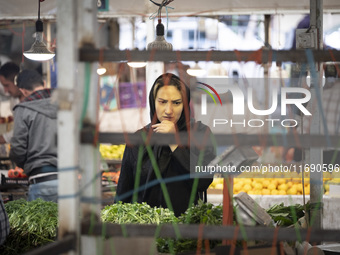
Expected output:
(215, 182)
(219, 186)
(289, 184)
(247, 181)
(258, 192)
(253, 183)
(292, 191)
(247, 187)
(265, 183)
(275, 182)
(237, 187)
(258, 186)
(274, 192)
(240, 182)
(265, 192)
(237, 180)
(327, 187)
(298, 187)
(282, 187)
(272, 186)
(281, 181)
(282, 192)
(307, 189)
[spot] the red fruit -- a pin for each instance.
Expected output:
(13, 173)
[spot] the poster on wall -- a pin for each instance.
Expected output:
(132, 95)
(108, 87)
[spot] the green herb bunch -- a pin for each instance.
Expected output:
(32, 224)
(202, 213)
(139, 213)
(286, 215)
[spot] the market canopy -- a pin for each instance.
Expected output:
(27, 9)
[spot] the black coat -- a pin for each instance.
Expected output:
(172, 165)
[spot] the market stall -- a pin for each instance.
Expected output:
(89, 160)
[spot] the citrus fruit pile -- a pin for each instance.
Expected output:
(109, 151)
(274, 184)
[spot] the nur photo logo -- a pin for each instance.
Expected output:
(248, 102)
(204, 97)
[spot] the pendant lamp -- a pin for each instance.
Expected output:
(160, 43)
(39, 51)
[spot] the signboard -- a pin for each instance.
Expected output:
(103, 5)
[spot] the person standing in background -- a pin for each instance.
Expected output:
(8, 72)
(33, 145)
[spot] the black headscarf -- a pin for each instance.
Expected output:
(169, 79)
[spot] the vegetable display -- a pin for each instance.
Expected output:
(33, 224)
(141, 213)
(202, 213)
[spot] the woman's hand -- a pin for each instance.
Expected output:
(164, 127)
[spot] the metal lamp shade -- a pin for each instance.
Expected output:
(39, 51)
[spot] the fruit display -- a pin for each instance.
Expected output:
(113, 151)
(17, 172)
(111, 176)
(274, 184)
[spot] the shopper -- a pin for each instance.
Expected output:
(169, 112)
(8, 72)
(4, 223)
(33, 145)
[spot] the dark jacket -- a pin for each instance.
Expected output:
(172, 165)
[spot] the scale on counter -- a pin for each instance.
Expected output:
(251, 213)
(235, 157)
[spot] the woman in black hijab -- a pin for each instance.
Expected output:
(169, 112)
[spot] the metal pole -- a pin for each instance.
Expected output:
(89, 153)
(266, 68)
(68, 121)
(316, 154)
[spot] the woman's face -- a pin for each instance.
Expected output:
(169, 104)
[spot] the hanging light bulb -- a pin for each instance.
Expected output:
(39, 51)
(137, 64)
(101, 70)
(196, 70)
(159, 43)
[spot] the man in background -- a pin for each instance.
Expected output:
(8, 72)
(33, 145)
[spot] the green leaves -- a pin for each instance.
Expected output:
(123, 213)
(286, 215)
(202, 213)
(33, 224)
